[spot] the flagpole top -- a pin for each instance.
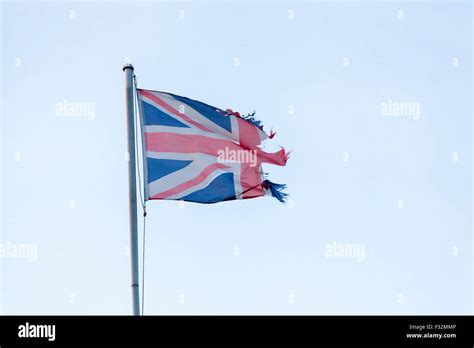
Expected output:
(127, 66)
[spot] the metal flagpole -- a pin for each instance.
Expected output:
(132, 188)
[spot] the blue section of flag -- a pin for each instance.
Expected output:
(156, 117)
(220, 189)
(207, 111)
(158, 168)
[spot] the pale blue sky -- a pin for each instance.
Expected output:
(386, 184)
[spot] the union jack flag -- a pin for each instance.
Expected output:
(199, 153)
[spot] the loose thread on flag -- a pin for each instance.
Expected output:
(276, 190)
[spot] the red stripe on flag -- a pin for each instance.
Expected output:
(185, 143)
(250, 178)
(251, 181)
